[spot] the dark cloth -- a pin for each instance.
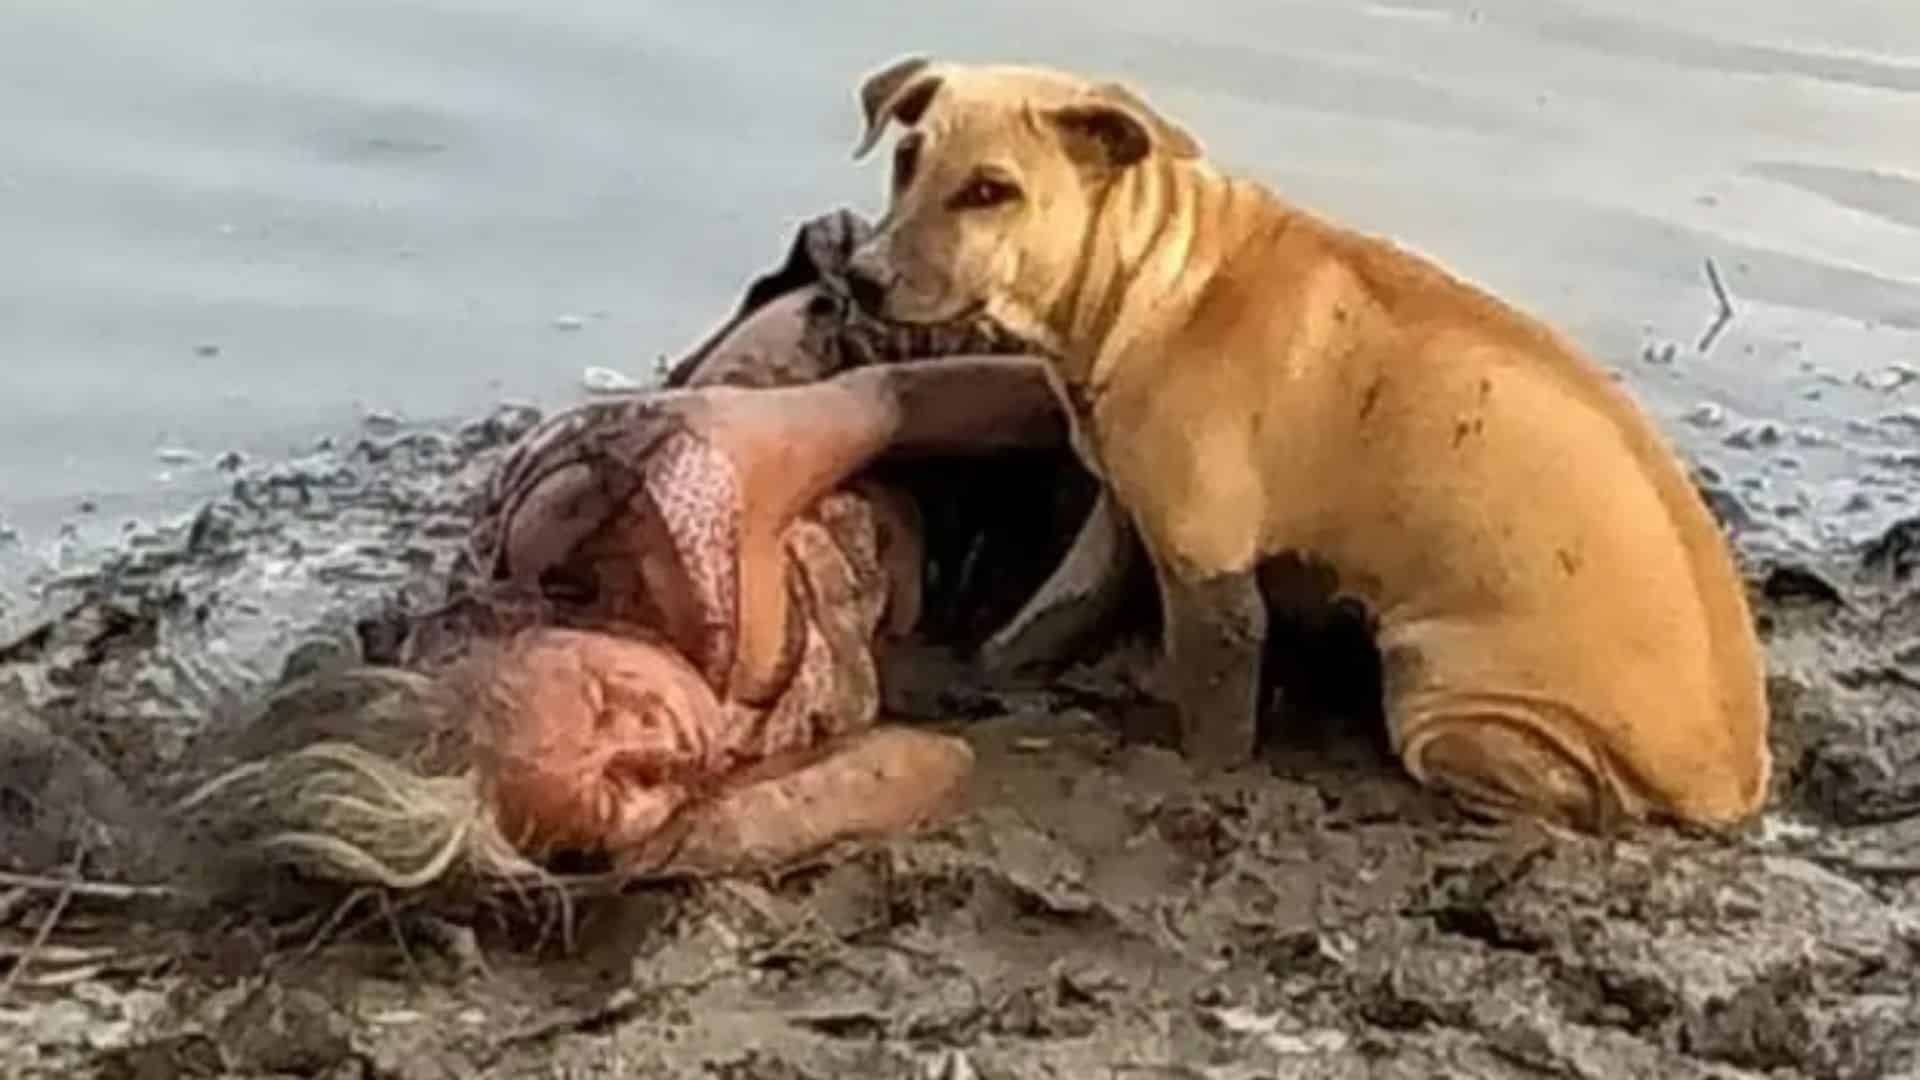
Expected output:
(840, 335)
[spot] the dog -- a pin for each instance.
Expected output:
(1562, 627)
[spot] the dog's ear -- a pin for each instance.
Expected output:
(1169, 137)
(900, 91)
(1100, 134)
(1113, 127)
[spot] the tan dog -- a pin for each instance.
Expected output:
(1562, 628)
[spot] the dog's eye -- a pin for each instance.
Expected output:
(982, 192)
(906, 158)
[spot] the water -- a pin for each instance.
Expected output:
(245, 224)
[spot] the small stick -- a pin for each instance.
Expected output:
(1880, 869)
(333, 922)
(69, 977)
(1724, 315)
(399, 936)
(10, 902)
(47, 924)
(61, 954)
(97, 890)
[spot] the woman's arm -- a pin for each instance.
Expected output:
(796, 443)
(964, 405)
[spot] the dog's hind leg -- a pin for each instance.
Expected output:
(1501, 754)
(1503, 771)
(1216, 629)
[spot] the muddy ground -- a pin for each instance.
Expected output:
(1097, 913)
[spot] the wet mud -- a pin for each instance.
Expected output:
(1097, 913)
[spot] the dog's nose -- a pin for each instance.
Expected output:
(867, 285)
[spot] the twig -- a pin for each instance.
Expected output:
(61, 954)
(47, 924)
(619, 1005)
(340, 913)
(1878, 869)
(69, 977)
(399, 936)
(95, 890)
(1724, 315)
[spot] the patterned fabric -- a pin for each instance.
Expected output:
(838, 336)
(834, 570)
(591, 468)
(695, 492)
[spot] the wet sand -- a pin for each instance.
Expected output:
(1095, 912)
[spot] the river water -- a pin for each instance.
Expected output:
(243, 225)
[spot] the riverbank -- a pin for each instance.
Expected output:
(1097, 913)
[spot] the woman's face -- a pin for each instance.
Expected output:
(596, 741)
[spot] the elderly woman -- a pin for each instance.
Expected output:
(703, 688)
(661, 654)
